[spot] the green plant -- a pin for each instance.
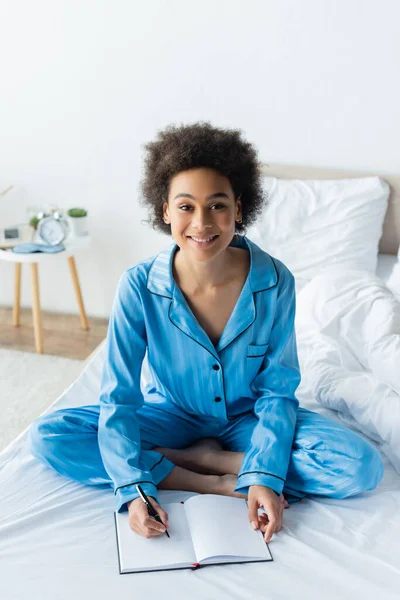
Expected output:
(34, 222)
(77, 212)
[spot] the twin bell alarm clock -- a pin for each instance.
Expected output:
(53, 228)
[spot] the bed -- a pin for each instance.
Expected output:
(57, 537)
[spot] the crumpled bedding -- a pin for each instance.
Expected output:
(348, 335)
(57, 537)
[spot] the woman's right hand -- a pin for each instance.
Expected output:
(142, 523)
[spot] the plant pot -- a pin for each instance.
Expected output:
(79, 226)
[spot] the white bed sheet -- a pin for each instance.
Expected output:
(57, 538)
(385, 266)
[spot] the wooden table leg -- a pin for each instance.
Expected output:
(37, 316)
(78, 293)
(17, 295)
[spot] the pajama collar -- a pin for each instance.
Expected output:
(262, 273)
(262, 276)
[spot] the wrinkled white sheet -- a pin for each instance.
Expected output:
(57, 538)
(348, 333)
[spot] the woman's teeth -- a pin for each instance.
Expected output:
(201, 240)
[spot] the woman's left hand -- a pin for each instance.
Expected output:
(263, 497)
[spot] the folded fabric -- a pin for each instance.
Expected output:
(28, 248)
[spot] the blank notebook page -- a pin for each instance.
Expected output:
(222, 528)
(138, 552)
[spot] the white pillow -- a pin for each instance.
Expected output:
(312, 225)
(394, 279)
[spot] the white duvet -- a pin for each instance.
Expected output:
(57, 537)
(348, 334)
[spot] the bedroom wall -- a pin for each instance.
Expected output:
(84, 83)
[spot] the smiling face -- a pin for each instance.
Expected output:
(202, 210)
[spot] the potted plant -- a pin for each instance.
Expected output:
(34, 222)
(78, 221)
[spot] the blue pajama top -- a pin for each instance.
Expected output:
(256, 352)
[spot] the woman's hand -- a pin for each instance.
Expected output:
(142, 523)
(263, 497)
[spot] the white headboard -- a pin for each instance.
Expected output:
(390, 240)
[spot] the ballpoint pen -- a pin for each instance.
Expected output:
(152, 511)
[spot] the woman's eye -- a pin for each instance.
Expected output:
(187, 207)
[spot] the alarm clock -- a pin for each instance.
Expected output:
(53, 229)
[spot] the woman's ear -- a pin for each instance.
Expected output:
(238, 216)
(165, 213)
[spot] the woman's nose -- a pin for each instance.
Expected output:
(202, 219)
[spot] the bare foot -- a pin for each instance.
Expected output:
(198, 457)
(228, 484)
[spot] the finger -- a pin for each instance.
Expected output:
(150, 533)
(263, 522)
(138, 528)
(150, 523)
(136, 525)
(161, 512)
(163, 515)
(284, 501)
(253, 513)
(273, 521)
(147, 530)
(145, 525)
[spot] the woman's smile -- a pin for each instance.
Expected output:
(202, 242)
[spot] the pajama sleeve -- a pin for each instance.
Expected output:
(267, 456)
(121, 396)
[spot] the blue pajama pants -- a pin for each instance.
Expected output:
(327, 459)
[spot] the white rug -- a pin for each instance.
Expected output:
(29, 383)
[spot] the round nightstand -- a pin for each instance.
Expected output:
(34, 260)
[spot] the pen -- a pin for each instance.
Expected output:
(150, 507)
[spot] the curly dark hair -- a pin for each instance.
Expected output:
(179, 148)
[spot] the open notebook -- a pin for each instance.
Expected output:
(204, 530)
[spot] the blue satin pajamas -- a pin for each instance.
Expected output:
(240, 391)
(66, 440)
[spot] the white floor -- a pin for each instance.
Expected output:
(29, 383)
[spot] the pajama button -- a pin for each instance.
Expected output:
(216, 367)
(217, 399)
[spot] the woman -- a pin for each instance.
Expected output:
(216, 315)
